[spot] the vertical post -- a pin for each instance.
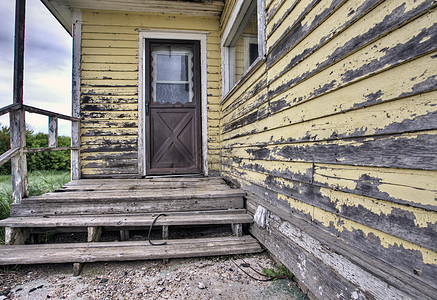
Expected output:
(17, 122)
(75, 101)
(53, 132)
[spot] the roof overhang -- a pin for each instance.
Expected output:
(63, 9)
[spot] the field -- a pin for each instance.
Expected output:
(40, 182)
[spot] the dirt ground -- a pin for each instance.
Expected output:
(202, 278)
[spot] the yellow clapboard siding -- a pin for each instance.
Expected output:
(408, 76)
(415, 186)
(335, 74)
(121, 59)
(109, 44)
(102, 90)
(361, 122)
(111, 115)
(109, 67)
(110, 106)
(110, 51)
(114, 75)
(147, 20)
(109, 82)
(274, 36)
(109, 131)
(331, 27)
(132, 36)
(233, 97)
(329, 219)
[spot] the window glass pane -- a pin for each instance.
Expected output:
(172, 67)
(172, 93)
(172, 74)
(246, 47)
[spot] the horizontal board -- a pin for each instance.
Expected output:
(412, 78)
(410, 114)
(173, 219)
(123, 251)
(363, 63)
(412, 224)
(379, 151)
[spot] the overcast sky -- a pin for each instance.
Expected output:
(47, 64)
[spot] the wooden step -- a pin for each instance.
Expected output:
(123, 251)
(196, 218)
(92, 197)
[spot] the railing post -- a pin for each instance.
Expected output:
(17, 122)
(53, 132)
(75, 111)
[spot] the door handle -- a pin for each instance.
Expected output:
(147, 108)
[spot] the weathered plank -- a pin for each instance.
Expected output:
(123, 251)
(377, 151)
(412, 224)
(297, 245)
(194, 218)
(376, 243)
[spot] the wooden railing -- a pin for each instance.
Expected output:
(18, 151)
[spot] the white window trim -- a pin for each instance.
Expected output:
(228, 53)
(171, 35)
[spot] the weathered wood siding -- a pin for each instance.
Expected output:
(109, 87)
(339, 128)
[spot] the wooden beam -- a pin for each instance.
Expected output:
(53, 132)
(75, 97)
(94, 233)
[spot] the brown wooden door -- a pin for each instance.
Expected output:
(173, 141)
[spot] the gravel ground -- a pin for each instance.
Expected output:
(203, 278)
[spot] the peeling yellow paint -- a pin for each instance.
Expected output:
(422, 218)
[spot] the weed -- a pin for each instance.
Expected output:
(281, 271)
(40, 182)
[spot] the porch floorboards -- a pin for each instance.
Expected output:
(93, 205)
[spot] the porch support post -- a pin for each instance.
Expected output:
(17, 122)
(75, 101)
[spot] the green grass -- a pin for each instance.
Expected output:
(40, 182)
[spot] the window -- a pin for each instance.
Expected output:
(243, 43)
(172, 75)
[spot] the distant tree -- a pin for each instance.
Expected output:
(58, 161)
(5, 145)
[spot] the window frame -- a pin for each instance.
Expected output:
(238, 16)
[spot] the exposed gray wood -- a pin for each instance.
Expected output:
(123, 251)
(10, 108)
(124, 235)
(165, 232)
(75, 97)
(237, 229)
(16, 236)
(48, 113)
(53, 132)
(16, 171)
(48, 149)
(333, 246)
(77, 268)
(94, 233)
(5, 157)
(198, 8)
(175, 218)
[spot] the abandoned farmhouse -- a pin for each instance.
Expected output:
(308, 126)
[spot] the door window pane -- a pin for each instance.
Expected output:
(172, 74)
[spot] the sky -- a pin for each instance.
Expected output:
(47, 64)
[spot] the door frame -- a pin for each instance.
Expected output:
(171, 35)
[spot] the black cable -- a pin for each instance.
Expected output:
(150, 231)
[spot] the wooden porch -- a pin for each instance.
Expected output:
(93, 206)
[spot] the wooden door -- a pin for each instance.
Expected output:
(173, 133)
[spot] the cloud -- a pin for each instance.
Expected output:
(47, 77)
